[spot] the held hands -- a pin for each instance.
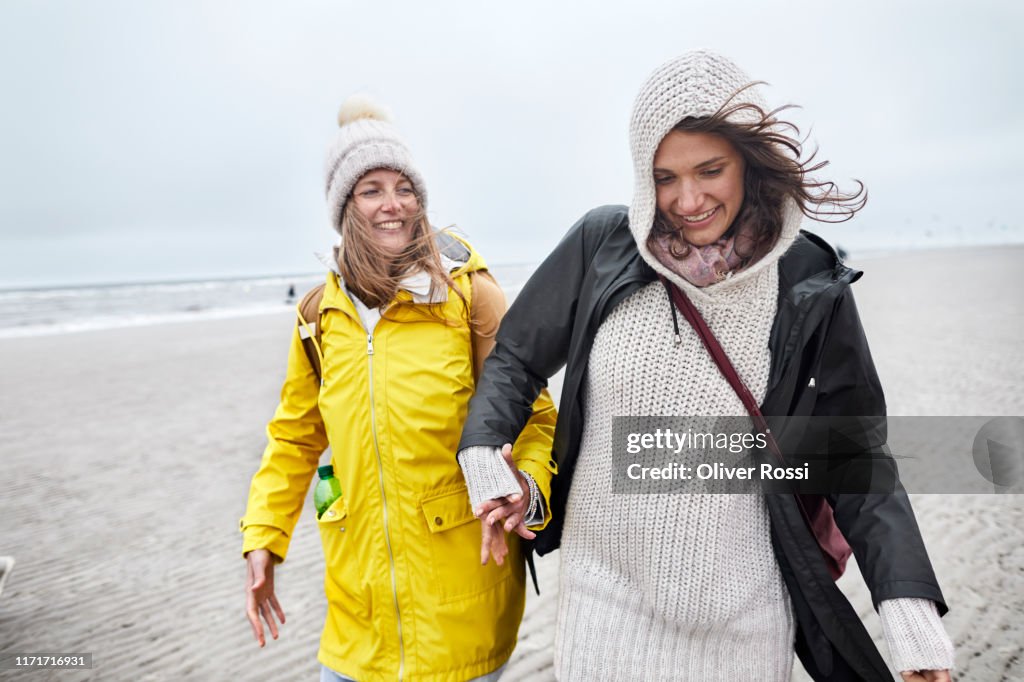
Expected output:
(926, 676)
(259, 594)
(503, 514)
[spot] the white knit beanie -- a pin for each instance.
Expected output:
(694, 84)
(366, 141)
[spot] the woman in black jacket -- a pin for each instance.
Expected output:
(677, 586)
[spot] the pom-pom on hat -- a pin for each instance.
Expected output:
(366, 141)
(694, 84)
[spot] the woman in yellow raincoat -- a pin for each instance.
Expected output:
(405, 320)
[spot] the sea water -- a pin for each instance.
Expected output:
(60, 310)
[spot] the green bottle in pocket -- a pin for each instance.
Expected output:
(327, 490)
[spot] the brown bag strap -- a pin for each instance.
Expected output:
(309, 321)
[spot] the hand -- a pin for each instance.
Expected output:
(503, 514)
(926, 676)
(259, 594)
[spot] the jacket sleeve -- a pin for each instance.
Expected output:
(532, 449)
(880, 527)
(531, 346)
(295, 440)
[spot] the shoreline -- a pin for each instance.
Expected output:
(103, 322)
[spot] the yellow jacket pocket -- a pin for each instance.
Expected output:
(455, 547)
(332, 524)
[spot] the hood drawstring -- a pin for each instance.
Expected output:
(671, 307)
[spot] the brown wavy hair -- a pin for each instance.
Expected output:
(775, 171)
(373, 273)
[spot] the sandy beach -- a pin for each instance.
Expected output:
(127, 455)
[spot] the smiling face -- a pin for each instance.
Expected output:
(698, 180)
(388, 202)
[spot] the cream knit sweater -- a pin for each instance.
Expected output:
(671, 586)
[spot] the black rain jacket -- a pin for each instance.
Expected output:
(816, 333)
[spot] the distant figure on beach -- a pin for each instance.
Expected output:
(381, 368)
(633, 303)
(291, 292)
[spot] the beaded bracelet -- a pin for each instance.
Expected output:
(534, 497)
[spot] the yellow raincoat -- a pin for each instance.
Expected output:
(407, 596)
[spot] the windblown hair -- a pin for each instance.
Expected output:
(373, 273)
(774, 172)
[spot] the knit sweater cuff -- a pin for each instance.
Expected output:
(488, 476)
(917, 640)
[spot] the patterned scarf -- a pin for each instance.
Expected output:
(703, 265)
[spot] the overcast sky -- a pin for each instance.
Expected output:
(158, 139)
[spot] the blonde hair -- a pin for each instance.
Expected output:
(373, 273)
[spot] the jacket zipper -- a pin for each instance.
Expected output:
(384, 501)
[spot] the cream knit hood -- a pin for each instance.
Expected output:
(695, 84)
